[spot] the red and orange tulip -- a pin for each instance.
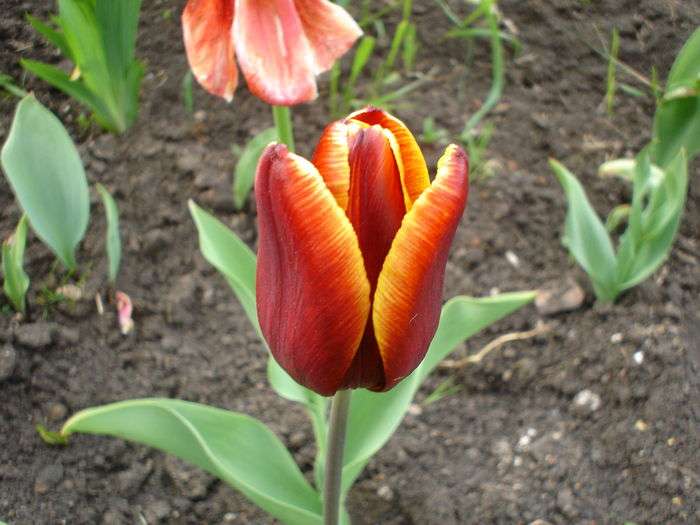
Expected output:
(281, 45)
(352, 252)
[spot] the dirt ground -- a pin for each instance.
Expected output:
(595, 421)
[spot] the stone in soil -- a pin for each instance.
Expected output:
(559, 296)
(586, 402)
(35, 335)
(8, 360)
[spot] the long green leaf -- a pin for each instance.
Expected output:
(677, 119)
(497, 75)
(375, 416)
(117, 23)
(72, 88)
(81, 31)
(664, 210)
(234, 447)
(112, 239)
(47, 176)
(585, 235)
(244, 174)
(53, 36)
(16, 279)
(685, 71)
(676, 126)
(230, 255)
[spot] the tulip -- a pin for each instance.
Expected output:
(281, 45)
(352, 250)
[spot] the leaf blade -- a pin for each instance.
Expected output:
(374, 416)
(112, 239)
(46, 174)
(234, 447)
(586, 236)
(244, 174)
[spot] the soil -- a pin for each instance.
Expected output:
(594, 421)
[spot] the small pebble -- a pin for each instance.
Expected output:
(641, 425)
(56, 411)
(35, 335)
(586, 402)
(559, 296)
(385, 493)
(513, 259)
(8, 360)
(638, 357)
(415, 410)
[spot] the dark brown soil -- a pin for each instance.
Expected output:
(511, 445)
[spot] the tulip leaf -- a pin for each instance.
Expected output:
(47, 177)
(375, 416)
(246, 166)
(648, 240)
(234, 447)
(16, 279)
(585, 235)
(685, 71)
(112, 239)
(677, 119)
(230, 255)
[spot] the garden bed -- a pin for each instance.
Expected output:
(595, 420)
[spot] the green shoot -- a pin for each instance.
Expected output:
(443, 390)
(477, 145)
(112, 239)
(611, 83)
(16, 279)
(187, 92)
(98, 37)
(8, 84)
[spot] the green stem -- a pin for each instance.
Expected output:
(283, 122)
(334, 457)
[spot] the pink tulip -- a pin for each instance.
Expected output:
(281, 45)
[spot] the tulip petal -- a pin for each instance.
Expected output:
(412, 167)
(273, 52)
(408, 297)
(331, 160)
(375, 201)
(331, 31)
(206, 28)
(313, 297)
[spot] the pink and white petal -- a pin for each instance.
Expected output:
(408, 297)
(330, 29)
(206, 30)
(273, 52)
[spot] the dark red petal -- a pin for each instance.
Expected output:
(206, 29)
(375, 201)
(407, 301)
(312, 291)
(412, 167)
